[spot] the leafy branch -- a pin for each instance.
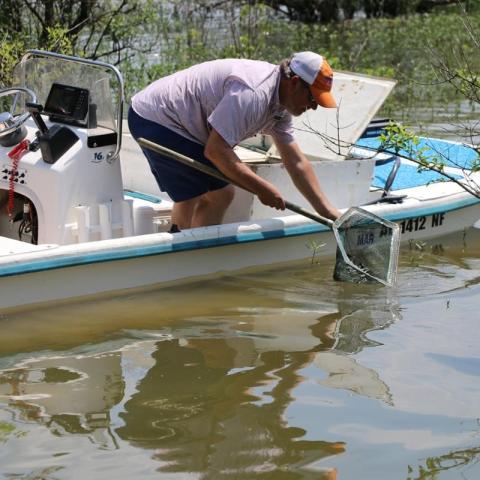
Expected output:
(400, 141)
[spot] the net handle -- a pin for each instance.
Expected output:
(215, 173)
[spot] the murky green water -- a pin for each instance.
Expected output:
(278, 375)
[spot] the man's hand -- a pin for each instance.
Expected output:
(224, 158)
(271, 197)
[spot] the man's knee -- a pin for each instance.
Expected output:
(228, 193)
(222, 196)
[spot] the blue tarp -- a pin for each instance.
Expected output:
(451, 154)
(407, 176)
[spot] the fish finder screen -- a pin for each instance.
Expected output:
(69, 103)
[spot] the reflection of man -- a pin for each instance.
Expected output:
(202, 416)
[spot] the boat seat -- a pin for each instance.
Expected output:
(151, 213)
(251, 155)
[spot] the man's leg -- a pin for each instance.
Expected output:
(211, 207)
(182, 213)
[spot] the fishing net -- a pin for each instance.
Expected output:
(367, 249)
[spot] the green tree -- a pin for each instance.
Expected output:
(114, 31)
(95, 29)
(326, 11)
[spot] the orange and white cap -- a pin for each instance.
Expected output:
(316, 71)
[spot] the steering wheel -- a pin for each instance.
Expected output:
(9, 123)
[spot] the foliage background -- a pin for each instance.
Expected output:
(147, 39)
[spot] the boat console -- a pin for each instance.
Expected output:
(54, 141)
(67, 104)
(60, 134)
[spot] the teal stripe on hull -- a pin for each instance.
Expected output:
(147, 251)
(425, 212)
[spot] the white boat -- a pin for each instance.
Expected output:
(81, 213)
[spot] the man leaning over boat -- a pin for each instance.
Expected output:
(205, 110)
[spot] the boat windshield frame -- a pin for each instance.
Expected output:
(112, 96)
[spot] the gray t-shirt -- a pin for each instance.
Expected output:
(236, 97)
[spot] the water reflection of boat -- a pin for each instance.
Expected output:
(220, 394)
(71, 395)
(206, 399)
(346, 373)
(90, 223)
(181, 400)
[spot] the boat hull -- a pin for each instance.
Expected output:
(74, 271)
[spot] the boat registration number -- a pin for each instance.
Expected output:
(422, 223)
(414, 224)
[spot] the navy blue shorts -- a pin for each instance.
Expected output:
(180, 181)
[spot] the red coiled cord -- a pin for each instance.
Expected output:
(15, 154)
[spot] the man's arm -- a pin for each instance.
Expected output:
(304, 178)
(219, 152)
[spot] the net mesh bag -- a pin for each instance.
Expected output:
(368, 248)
